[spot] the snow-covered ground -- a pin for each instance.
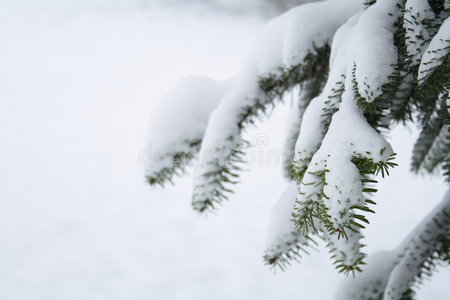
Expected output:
(77, 220)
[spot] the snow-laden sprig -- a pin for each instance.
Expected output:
(284, 57)
(394, 274)
(285, 243)
(308, 90)
(319, 112)
(174, 141)
(334, 185)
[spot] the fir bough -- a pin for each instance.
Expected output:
(358, 68)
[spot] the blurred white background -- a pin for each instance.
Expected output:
(78, 80)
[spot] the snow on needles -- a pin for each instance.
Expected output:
(339, 146)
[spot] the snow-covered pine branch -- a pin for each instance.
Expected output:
(356, 68)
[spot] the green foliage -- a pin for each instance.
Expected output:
(221, 180)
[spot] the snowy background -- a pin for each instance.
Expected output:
(78, 81)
